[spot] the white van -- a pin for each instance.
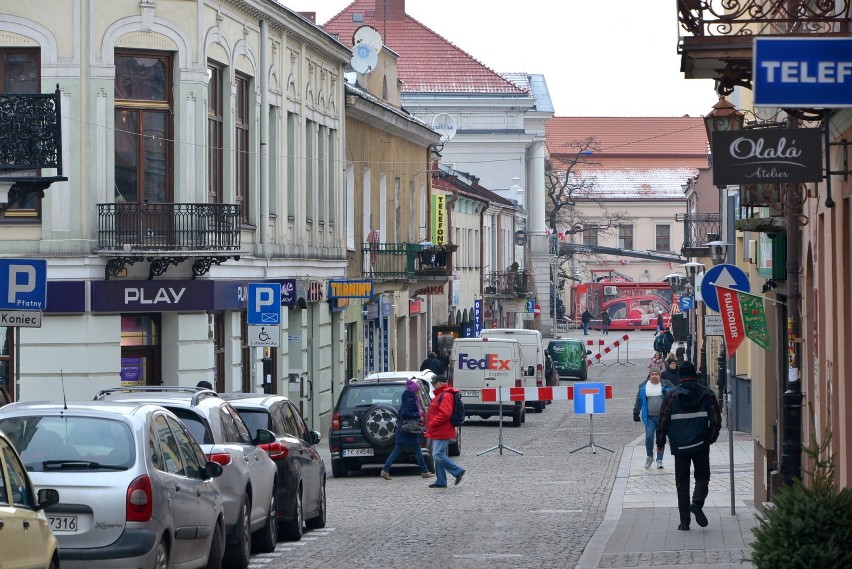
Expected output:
(483, 362)
(533, 354)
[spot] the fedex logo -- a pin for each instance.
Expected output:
(489, 362)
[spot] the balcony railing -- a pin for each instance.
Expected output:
(401, 261)
(139, 227)
(696, 228)
(703, 18)
(508, 284)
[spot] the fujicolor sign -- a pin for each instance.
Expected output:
(490, 362)
(803, 72)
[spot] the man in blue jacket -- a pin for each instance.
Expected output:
(691, 420)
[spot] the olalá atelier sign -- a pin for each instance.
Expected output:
(767, 156)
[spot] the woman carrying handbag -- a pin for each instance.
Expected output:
(409, 430)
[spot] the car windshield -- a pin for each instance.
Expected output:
(69, 442)
(366, 395)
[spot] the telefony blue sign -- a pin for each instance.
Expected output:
(803, 72)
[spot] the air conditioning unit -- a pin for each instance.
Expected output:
(752, 251)
(610, 291)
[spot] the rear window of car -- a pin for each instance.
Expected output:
(366, 395)
(255, 419)
(195, 424)
(68, 442)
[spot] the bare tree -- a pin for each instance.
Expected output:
(566, 182)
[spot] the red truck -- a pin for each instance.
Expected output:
(631, 305)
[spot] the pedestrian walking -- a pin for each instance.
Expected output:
(409, 410)
(670, 372)
(680, 353)
(432, 363)
(659, 322)
(585, 318)
(657, 363)
(690, 420)
(668, 340)
(440, 430)
(649, 401)
(605, 320)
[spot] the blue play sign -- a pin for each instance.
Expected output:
(730, 276)
(23, 284)
(264, 304)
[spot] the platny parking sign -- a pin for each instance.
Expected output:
(264, 304)
(23, 284)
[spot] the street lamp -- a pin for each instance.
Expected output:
(692, 269)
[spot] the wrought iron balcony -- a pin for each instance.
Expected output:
(30, 139)
(508, 284)
(406, 261)
(718, 44)
(167, 234)
(696, 228)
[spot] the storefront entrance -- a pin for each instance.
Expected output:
(140, 350)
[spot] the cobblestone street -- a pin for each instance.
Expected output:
(538, 510)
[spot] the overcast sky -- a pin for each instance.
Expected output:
(599, 57)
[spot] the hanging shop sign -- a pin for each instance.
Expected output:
(439, 219)
(350, 289)
(767, 156)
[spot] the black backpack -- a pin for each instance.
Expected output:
(659, 344)
(457, 417)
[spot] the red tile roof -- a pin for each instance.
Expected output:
(632, 142)
(427, 62)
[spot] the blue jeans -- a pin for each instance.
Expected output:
(443, 463)
(585, 327)
(397, 450)
(650, 436)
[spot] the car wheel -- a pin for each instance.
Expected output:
(338, 468)
(318, 522)
(265, 538)
(538, 407)
(523, 414)
(516, 418)
(217, 548)
(378, 423)
(292, 530)
(161, 557)
(238, 553)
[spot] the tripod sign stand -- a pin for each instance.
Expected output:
(591, 399)
(499, 446)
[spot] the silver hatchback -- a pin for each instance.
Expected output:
(136, 489)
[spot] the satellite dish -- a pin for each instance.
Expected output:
(364, 57)
(445, 124)
(368, 35)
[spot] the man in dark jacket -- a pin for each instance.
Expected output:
(432, 363)
(690, 419)
(585, 318)
(668, 340)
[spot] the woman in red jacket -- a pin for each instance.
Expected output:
(440, 431)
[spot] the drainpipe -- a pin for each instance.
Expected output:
(264, 144)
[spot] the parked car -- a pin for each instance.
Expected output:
(364, 423)
(249, 477)
(26, 539)
(137, 490)
(425, 378)
(301, 470)
(569, 358)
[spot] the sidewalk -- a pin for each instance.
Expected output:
(640, 525)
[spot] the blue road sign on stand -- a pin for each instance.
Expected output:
(264, 304)
(686, 303)
(23, 284)
(730, 276)
(589, 398)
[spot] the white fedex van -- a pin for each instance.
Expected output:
(476, 363)
(532, 352)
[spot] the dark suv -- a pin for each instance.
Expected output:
(364, 423)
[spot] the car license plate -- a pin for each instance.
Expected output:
(358, 452)
(469, 393)
(63, 523)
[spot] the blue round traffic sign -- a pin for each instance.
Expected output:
(730, 276)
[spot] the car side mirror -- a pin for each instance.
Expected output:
(264, 437)
(213, 470)
(588, 352)
(315, 438)
(47, 497)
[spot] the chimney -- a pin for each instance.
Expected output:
(393, 10)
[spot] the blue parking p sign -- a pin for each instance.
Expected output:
(23, 284)
(264, 304)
